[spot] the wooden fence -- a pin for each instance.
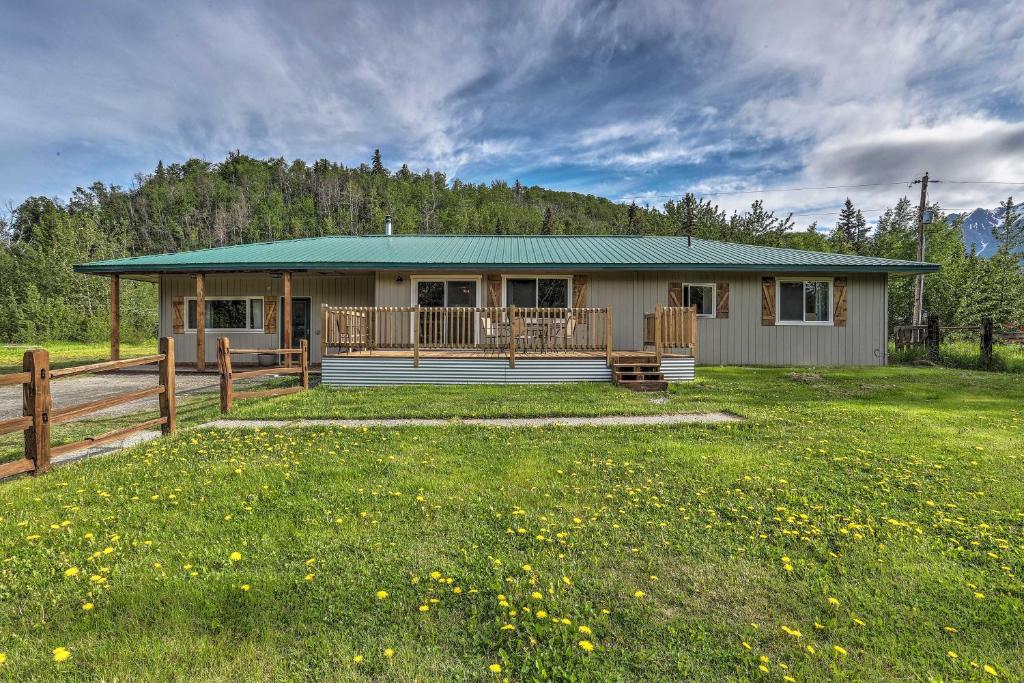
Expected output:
(671, 327)
(38, 414)
(930, 337)
(228, 376)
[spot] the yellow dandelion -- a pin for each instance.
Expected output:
(245, 587)
(527, 568)
(87, 606)
(382, 595)
(235, 556)
(810, 649)
(586, 646)
(746, 645)
(61, 654)
(71, 571)
(424, 608)
(952, 655)
(435, 575)
(585, 630)
(309, 577)
(3, 657)
(541, 614)
(990, 670)
(839, 650)
(494, 668)
(834, 602)
(536, 595)
(389, 653)
(763, 668)
(639, 595)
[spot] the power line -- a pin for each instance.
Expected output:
(822, 187)
(765, 191)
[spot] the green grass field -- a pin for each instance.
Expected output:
(861, 525)
(65, 353)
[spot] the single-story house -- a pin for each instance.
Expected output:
(381, 309)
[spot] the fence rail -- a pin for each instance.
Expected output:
(501, 330)
(228, 376)
(930, 337)
(671, 327)
(39, 415)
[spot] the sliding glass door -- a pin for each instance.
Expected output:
(444, 328)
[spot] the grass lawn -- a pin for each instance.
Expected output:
(65, 353)
(861, 525)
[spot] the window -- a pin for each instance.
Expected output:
(702, 297)
(228, 314)
(805, 302)
(530, 292)
(446, 293)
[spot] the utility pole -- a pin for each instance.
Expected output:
(921, 243)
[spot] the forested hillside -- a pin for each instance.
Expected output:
(200, 204)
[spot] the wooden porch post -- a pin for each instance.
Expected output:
(168, 406)
(115, 317)
(286, 318)
(36, 404)
(658, 327)
(416, 338)
(608, 334)
(200, 321)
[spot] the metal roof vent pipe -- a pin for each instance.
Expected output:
(387, 225)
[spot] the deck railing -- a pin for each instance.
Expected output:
(499, 330)
(671, 327)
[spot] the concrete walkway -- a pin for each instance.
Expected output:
(603, 421)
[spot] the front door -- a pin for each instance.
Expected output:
(300, 321)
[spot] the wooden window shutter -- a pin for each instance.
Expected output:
(767, 301)
(839, 299)
(178, 317)
(270, 314)
(675, 294)
(722, 300)
(579, 291)
(494, 290)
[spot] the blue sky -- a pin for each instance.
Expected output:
(625, 100)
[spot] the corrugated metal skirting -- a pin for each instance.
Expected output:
(354, 371)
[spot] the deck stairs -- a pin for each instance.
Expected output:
(638, 371)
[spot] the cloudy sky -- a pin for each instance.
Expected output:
(625, 100)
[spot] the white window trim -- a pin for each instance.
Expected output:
(714, 296)
(817, 323)
(535, 276)
(416, 279)
(234, 330)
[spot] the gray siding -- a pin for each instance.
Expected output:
(737, 340)
(335, 290)
(741, 339)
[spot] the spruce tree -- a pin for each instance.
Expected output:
(377, 165)
(549, 221)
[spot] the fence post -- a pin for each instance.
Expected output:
(36, 404)
(416, 338)
(986, 342)
(224, 364)
(304, 360)
(168, 404)
(933, 337)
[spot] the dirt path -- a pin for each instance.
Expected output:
(604, 421)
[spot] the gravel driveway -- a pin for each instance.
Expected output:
(85, 388)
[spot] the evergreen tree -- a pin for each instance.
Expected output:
(549, 221)
(1010, 233)
(851, 230)
(378, 164)
(632, 221)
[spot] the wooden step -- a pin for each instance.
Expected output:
(629, 376)
(645, 385)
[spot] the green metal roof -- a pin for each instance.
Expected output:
(510, 252)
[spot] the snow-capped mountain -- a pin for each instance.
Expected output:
(978, 226)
